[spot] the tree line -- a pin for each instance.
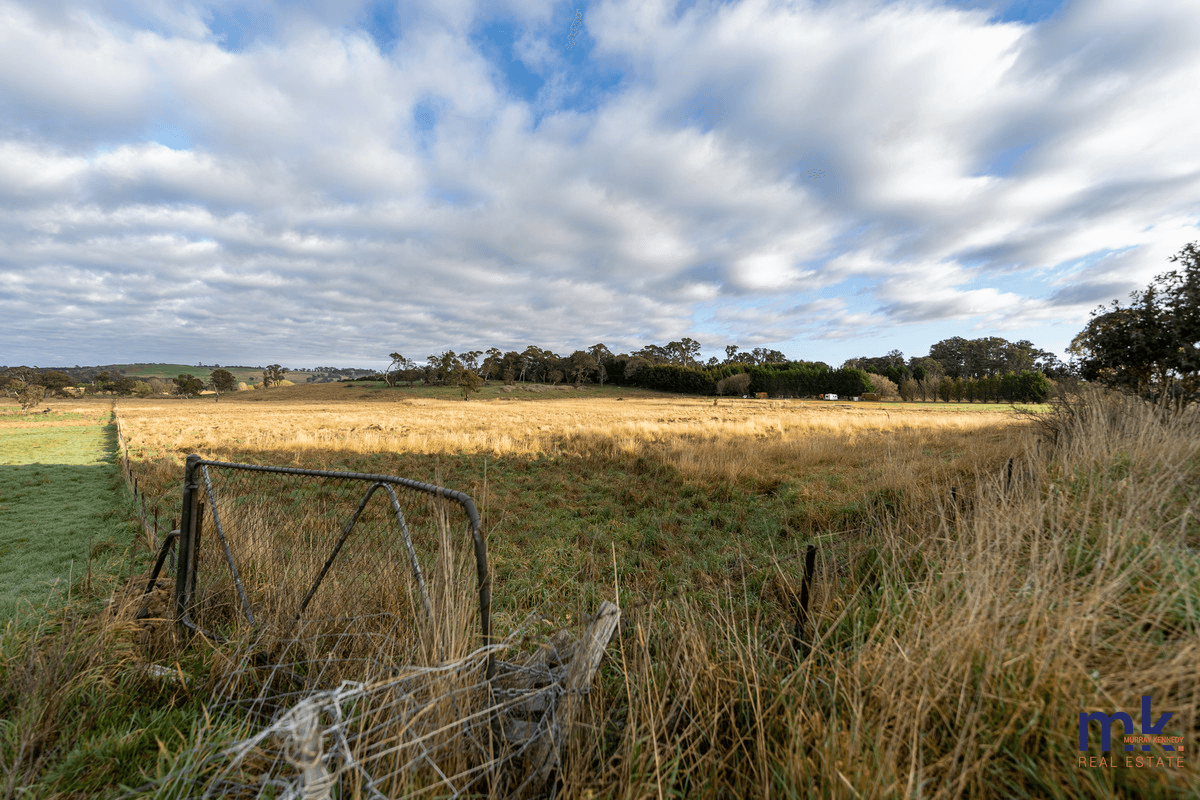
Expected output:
(955, 369)
(31, 385)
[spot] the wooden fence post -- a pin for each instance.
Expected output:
(547, 751)
(799, 638)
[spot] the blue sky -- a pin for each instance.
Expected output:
(325, 183)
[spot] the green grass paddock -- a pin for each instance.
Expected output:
(60, 504)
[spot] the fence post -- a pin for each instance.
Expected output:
(185, 570)
(800, 640)
(485, 584)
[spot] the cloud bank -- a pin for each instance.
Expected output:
(312, 184)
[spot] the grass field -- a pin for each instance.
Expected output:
(169, 371)
(682, 487)
(58, 505)
(963, 618)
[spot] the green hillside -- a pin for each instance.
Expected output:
(168, 371)
(252, 375)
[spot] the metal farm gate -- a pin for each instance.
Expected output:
(350, 664)
(273, 547)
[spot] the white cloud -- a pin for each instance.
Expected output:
(28, 171)
(77, 72)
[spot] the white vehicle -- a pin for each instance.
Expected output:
(831, 397)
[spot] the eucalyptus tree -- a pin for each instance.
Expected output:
(1151, 346)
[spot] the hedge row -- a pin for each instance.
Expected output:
(792, 379)
(1012, 387)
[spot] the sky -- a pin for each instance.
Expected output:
(325, 183)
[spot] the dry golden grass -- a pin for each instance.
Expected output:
(316, 419)
(859, 449)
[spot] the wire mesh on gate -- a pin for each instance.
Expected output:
(350, 663)
(438, 730)
(303, 554)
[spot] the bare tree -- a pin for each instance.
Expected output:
(885, 387)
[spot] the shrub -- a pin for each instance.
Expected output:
(734, 384)
(188, 385)
(160, 385)
(31, 396)
(54, 380)
(884, 387)
(123, 385)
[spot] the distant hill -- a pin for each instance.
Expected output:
(169, 371)
(204, 373)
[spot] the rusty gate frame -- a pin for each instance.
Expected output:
(197, 484)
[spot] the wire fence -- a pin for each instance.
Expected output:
(152, 526)
(410, 730)
(352, 614)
